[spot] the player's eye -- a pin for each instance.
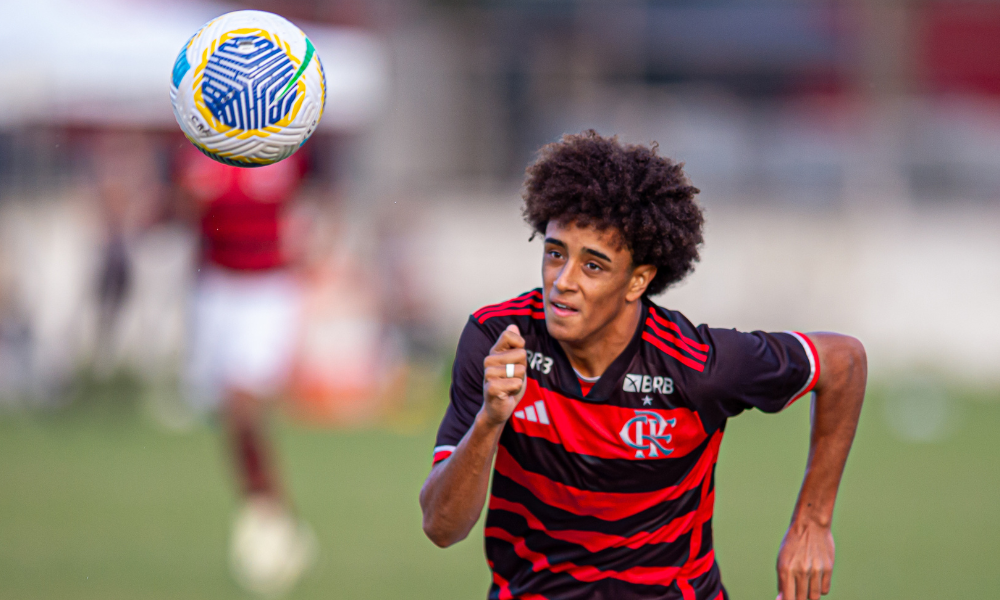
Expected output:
(594, 266)
(555, 254)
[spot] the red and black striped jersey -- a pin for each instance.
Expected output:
(241, 209)
(609, 494)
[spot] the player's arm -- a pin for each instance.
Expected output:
(455, 491)
(805, 561)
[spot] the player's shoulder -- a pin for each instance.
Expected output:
(703, 348)
(526, 310)
(671, 337)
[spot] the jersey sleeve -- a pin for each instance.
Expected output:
(466, 396)
(766, 371)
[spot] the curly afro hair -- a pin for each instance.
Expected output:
(593, 181)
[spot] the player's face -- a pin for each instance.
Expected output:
(589, 280)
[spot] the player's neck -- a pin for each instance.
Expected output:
(593, 356)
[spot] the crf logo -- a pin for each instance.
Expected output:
(645, 433)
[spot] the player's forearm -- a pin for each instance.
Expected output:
(835, 413)
(454, 494)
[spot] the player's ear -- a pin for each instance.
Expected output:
(642, 276)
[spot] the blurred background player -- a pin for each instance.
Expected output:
(245, 321)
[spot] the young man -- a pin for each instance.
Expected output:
(605, 411)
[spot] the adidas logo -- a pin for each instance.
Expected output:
(535, 413)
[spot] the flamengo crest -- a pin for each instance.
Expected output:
(645, 433)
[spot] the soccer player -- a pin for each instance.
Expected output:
(245, 322)
(605, 411)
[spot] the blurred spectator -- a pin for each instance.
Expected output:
(351, 366)
(130, 198)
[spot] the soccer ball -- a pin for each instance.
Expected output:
(248, 88)
(270, 550)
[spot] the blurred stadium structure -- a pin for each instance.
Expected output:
(848, 154)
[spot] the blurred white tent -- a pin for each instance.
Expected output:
(108, 62)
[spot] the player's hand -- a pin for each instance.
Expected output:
(805, 562)
(501, 393)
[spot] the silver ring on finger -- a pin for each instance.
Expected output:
(510, 370)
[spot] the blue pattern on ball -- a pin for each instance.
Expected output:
(243, 79)
(181, 66)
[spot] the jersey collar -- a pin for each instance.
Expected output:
(612, 377)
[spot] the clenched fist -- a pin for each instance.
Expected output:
(500, 392)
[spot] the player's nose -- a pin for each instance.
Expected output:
(565, 281)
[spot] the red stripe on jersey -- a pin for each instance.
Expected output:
(585, 386)
(518, 311)
(675, 341)
(686, 590)
(697, 366)
(533, 294)
(537, 305)
(815, 361)
(506, 594)
(595, 541)
(610, 506)
(441, 455)
(705, 509)
(639, 575)
(596, 429)
(519, 301)
(523, 300)
(671, 325)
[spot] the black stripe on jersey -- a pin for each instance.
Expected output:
(709, 586)
(562, 586)
(552, 517)
(706, 538)
(667, 554)
(541, 456)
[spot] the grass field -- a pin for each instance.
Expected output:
(99, 503)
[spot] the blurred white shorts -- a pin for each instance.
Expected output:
(244, 330)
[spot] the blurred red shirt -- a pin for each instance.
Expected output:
(241, 208)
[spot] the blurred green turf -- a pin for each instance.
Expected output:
(102, 504)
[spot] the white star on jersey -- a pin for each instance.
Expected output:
(647, 401)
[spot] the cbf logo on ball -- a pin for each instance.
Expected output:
(248, 89)
(646, 432)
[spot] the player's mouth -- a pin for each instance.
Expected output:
(563, 310)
